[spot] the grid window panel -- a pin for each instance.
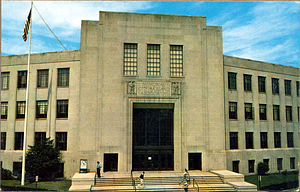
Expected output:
(153, 60)
(290, 139)
(277, 139)
(130, 59)
(262, 84)
(276, 112)
(249, 140)
(63, 77)
(231, 80)
(21, 106)
(39, 138)
(247, 82)
(263, 111)
(287, 87)
(19, 138)
(234, 140)
(22, 79)
(4, 110)
(176, 60)
(275, 86)
(43, 76)
(248, 111)
(5, 80)
(232, 110)
(41, 109)
(3, 140)
(61, 140)
(62, 108)
(263, 140)
(289, 115)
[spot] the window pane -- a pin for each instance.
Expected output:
(5, 80)
(130, 59)
(290, 139)
(262, 84)
(249, 140)
(289, 113)
(234, 140)
(232, 110)
(19, 136)
(275, 86)
(4, 110)
(43, 78)
(263, 111)
(22, 79)
(39, 138)
(263, 140)
(176, 60)
(277, 140)
(61, 140)
(153, 60)
(21, 109)
(248, 111)
(41, 109)
(62, 109)
(287, 87)
(276, 112)
(231, 80)
(3, 140)
(251, 164)
(63, 77)
(247, 82)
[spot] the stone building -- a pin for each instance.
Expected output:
(152, 92)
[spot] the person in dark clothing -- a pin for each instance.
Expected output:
(142, 185)
(98, 169)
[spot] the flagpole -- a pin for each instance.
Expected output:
(26, 105)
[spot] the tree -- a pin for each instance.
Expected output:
(42, 159)
(262, 168)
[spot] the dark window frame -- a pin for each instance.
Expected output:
(251, 166)
(263, 140)
(61, 140)
(39, 137)
(249, 140)
(19, 139)
(275, 85)
(43, 78)
(63, 77)
(4, 109)
(232, 80)
(21, 109)
(289, 113)
(279, 164)
(22, 79)
(292, 163)
(261, 84)
(5, 80)
(277, 139)
(249, 113)
(287, 87)
(262, 111)
(236, 166)
(290, 139)
(234, 140)
(3, 140)
(247, 82)
(276, 112)
(62, 108)
(41, 109)
(233, 110)
(297, 88)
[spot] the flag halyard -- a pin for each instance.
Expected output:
(26, 26)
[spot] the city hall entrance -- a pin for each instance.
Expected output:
(153, 146)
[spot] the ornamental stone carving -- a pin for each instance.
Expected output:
(131, 87)
(153, 88)
(176, 88)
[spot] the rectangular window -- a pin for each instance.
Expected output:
(277, 139)
(39, 137)
(251, 164)
(261, 84)
(276, 112)
(263, 140)
(41, 109)
(247, 82)
(248, 111)
(279, 164)
(292, 163)
(4, 109)
(262, 111)
(232, 110)
(266, 161)
(234, 140)
(289, 114)
(3, 140)
(130, 59)
(63, 77)
(4, 80)
(21, 109)
(290, 139)
(287, 87)
(275, 86)
(17, 169)
(22, 79)
(235, 166)
(61, 140)
(19, 136)
(176, 60)
(297, 87)
(62, 108)
(249, 140)
(298, 109)
(153, 60)
(43, 78)
(231, 80)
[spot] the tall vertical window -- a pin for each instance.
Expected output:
(39, 137)
(248, 111)
(262, 111)
(234, 140)
(247, 82)
(235, 166)
(3, 140)
(4, 80)
(251, 164)
(290, 139)
(288, 112)
(298, 113)
(19, 136)
(249, 140)
(231, 80)
(287, 87)
(176, 60)
(61, 140)
(275, 86)
(41, 109)
(297, 87)
(62, 108)
(4, 110)
(232, 110)
(21, 109)
(263, 140)
(22, 79)
(153, 60)
(43, 76)
(279, 164)
(130, 59)
(292, 163)
(276, 112)
(277, 139)
(63, 77)
(261, 84)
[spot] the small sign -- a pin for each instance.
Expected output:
(36, 178)
(83, 166)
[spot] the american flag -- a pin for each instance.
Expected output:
(26, 26)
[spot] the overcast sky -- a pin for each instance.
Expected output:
(263, 31)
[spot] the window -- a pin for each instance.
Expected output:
(232, 110)
(62, 109)
(39, 137)
(63, 77)
(235, 166)
(231, 80)
(3, 140)
(41, 109)
(251, 166)
(292, 163)
(287, 87)
(290, 139)
(4, 80)
(234, 140)
(249, 140)
(22, 79)
(288, 113)
(19, 136)
(262, 111)
(4, 110)
(176, 60)
(266, 161)
(276, 113)
(247, 82)
(248, 111)
(130, 59)
(61, 140)
(297, 87)
(261, 84)
(21, 109)
(43, 78)
(275, 86)
(277, 140)
(153, 60)
(279, 164)
(17, 168)
(298, 113)
(263, 140)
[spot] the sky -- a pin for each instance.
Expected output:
(263, 31)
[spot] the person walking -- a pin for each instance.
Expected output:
(186, 180)
(142, 176)
(99, 166)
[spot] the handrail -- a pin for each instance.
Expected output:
(194, 181)
(133, 181)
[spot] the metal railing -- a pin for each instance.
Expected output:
(195, 182)
(133, 181)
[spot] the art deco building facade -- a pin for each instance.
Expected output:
(152, 92)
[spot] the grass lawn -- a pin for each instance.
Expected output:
(63, 185)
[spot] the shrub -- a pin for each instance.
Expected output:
(6, 174)
(262, 168)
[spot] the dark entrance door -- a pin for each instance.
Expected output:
(153, 147)
(195, 161)
(110, 162)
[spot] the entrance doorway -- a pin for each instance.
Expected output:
(195, 161)
(110, 162)
(153, 146)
